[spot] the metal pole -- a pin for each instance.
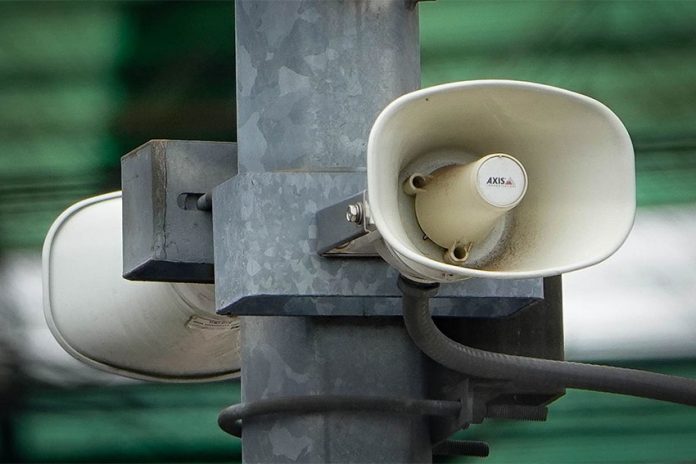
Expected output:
(312, 75)
(285, 356)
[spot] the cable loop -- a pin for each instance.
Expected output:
(230, 419)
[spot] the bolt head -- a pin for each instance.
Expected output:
(354, 213)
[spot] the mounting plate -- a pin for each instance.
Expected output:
(266, 253)
(165, 236)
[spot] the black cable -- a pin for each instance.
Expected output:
(230, 419)
(535, 372)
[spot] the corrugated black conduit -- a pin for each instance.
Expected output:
(534, 372)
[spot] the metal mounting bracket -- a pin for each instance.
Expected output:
(269, 227)
(345, 230)
(273, 233)
(167, 235)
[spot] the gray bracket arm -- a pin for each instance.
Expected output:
(344, 229)
(167, 235)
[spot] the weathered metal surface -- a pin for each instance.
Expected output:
(343, 229)
(165, 236)
(266, 260)
(341, 356)
(346, 355)
(312, 76)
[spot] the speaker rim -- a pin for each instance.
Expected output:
(441, 272)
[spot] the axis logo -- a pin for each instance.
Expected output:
(500, 181)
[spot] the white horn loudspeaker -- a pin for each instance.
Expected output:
(146, 330)
(498, 179)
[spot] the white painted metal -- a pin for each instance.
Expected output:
(144, 330)
(580, 202)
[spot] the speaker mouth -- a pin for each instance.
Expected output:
(580, 201)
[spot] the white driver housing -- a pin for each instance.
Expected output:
(458, 205)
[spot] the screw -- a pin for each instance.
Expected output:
(354, 213)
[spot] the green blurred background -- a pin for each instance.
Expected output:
(81, 83)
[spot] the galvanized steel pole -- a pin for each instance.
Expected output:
(312, 75)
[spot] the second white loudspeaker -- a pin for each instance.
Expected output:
(146, 330)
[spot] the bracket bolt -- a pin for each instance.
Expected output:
(354, 213)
